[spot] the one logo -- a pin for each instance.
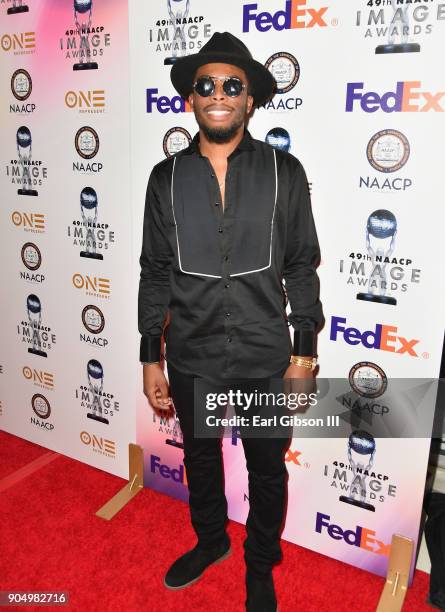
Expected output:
(91, 101)
(278, 138)
(285, 69)
(360, 536)
(368, 379)
(31, 256)
(388, 150)
(93, 285)
(21, 84)
(39, 378)
(295, 14)
(30, 222)
(164, 104)
(87, 142)
(175, 140)
(382, 337)
(408, 97)
(41, 406)
(93, 319)
(20, 43)
(99, 445)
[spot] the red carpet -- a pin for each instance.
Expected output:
(52, 540)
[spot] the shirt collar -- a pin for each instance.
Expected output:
(245, 144)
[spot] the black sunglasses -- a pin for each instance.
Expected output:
(205, 86)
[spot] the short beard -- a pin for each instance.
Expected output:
(221, 135)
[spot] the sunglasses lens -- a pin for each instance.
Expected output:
(233, 87)
(204, 87)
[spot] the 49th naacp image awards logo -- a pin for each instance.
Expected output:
(87, 144)
(87, 232)
(387, 151)
(32, 260)
(278, 138)
(26, 171)
(84, 44)
(16, 7)
(42, 411)
(363, 485)
(93, 320)
(179, 31)
(378, 274)
(175, 140)
(285, 69)
(170, 428)
(33, 332)
(21, 88)
(100, 405)
(398, 26)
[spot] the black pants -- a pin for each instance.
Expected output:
(205, 476)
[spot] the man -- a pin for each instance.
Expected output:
(225, 221)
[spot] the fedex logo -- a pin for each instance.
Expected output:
(382, 338)
(294, 15)
(361, 537)
(405, 99)
(164, 104)
(178, 475)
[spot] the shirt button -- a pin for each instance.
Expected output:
(229, 339)
(220, 230)
(227, 314)
(227, 285)
(226, 258)
(216, 203)
(212, 175)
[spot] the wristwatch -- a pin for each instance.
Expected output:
(305, 363)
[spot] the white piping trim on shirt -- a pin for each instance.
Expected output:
(271, 228)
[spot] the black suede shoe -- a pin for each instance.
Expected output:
(260, 593)
(189, 568)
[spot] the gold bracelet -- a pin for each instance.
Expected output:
(305, 363)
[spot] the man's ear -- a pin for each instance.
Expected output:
(190, 100)
(249, 103)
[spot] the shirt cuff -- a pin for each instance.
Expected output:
(304, 342)
(150, 348)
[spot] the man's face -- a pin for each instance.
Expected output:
(218, 115)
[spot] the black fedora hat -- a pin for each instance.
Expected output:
(223, 48)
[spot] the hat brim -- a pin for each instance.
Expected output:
(261, 81)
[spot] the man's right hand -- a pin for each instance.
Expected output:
(156, 387)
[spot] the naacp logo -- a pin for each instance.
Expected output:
(41, 406)
(175, 140)
(21, 84)
(285, 69)
(368, 379)
(31, 256)
(388, 151)
(93, 319)
(87, 142)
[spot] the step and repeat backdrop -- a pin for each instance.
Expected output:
(88, 109)
(67, 373)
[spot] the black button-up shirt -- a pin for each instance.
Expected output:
(220, 271)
